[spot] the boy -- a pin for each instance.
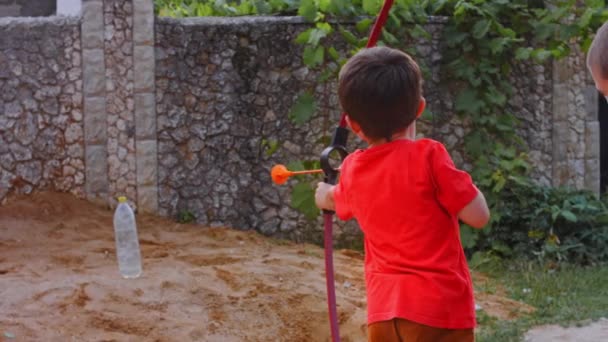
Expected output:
(407, 197)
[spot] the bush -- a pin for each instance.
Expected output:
(224, 8)
(547, 223)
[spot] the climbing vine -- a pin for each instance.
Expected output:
(483, 40)
(223, 8)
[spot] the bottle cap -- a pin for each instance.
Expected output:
(122, 199)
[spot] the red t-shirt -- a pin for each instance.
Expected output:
(406, 196)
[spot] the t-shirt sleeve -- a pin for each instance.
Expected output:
(341, 200)
(454, 188)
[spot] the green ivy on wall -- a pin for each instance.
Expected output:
(483, 39)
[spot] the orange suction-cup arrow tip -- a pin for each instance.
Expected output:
(279, 174)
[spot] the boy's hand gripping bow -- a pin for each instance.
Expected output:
(338, 144)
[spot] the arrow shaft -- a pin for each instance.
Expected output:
(305, 172)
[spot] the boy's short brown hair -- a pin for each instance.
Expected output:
(597, 56)
(380, 88)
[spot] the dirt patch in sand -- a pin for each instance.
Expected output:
(495, 302)
(59, 281)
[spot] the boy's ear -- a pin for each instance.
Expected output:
(353, 125)
(421, 107)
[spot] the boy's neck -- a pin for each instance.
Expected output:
(407, 134)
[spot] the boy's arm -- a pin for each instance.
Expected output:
(476, 214)
(324, 196)
(456, 191)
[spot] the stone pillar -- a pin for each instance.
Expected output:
(592, 141)
(121, 112)
(95, 117)
(576, 157)
(145, 105)
(118, 19)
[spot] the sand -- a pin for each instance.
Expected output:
(59, 281)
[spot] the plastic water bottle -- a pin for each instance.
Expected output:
(127, 243)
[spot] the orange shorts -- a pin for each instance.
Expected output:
(402, 330)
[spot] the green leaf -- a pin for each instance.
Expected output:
(315, 36)
(311, 164)
(350, 38)
(468, 236)
(541, 54)
(325, 27)
(308, 10)
(271, 146)
(309, 56)
(454, 37)
(586, 44)
(204, 10)
(568, 215)
(303, 109)
(474, 144)
(603, 218)
(303, 200)
(497, 45)
(319, 55)
(333, 53)
(427, 115)
(502, 248)
(420, 32)
(562, 50)
(468, 101)
(341, 7)
(523, 53)
(326, 75)
(304, 37)
(324, 5)
(437, 6)
(585, 19)
(389, 37)
(363, 25)
(297, 165)
(263, 7)
(504, 31)
(480, 29)
(371, 7)
(313, 56)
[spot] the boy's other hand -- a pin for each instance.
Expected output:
(324, 196)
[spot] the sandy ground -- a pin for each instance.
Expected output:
(59, 281)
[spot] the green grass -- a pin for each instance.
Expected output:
(570, 295)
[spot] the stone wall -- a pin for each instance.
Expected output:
(188, 116)
(41, 133)
(224, 90)
(532, 105)
(27, 8)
